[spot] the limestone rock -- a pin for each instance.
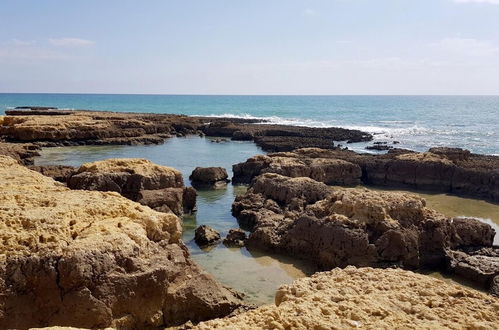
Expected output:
(209, 177)
(449, 170)
(371, 299)
(235, 238)
(205, 235)
(351, 226)
(140, 180)
(94, 260)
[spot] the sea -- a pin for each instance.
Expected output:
(416, 122)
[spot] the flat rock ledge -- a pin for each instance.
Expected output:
(448, 170)
(369, 298)
(337, 227)
(79, 127)
(159, 187)
(95, 259)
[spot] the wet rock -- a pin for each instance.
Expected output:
(205, 236)
(379, 147)
(209, 177)
(59, 173)
(140, 180)
(369, 298)
(94, 259)
(235, 238)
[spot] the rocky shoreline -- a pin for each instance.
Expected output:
(102, 248)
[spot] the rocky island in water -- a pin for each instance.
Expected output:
(100, 245)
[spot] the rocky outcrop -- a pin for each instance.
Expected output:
(205, 236)
(449, 170)
(329, 171)
(22, 152)
(94, 260)
(59, 173)
(235, 238)
(158, 187)
(341, 227)
(51, 127)
(284, 138)
(371, 299)
(209, 177)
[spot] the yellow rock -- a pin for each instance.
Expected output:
(369, 298)
(37, 214)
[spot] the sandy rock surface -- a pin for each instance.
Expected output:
(369, 298)
(94, 259)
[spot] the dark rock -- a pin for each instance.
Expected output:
(59, 173)
(380, 147)
(209, 177)
(235, 238)
(481, 266)
(205, 236)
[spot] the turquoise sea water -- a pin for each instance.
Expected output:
(418, 122)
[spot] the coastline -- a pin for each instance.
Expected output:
(301, 152)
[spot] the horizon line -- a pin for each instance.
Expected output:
(201, 94)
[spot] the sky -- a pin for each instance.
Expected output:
(323, 47)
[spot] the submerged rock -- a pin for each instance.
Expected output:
(94, 260)
(235, 238)
(205, 236)
(210, 177)
(158, 187)
(371, 299)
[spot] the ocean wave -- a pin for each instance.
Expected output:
(279, 120)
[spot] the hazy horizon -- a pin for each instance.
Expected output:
(317, 48)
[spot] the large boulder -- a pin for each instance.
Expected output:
(351, 226)
(371, 299)
(159, 187)
(211, 177)
(94, 260)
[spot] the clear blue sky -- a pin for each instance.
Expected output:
(250, 47)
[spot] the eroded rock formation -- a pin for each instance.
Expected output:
(348, 226)
(94, 259)
(370, 299)
(449, 170)
(159, 187)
